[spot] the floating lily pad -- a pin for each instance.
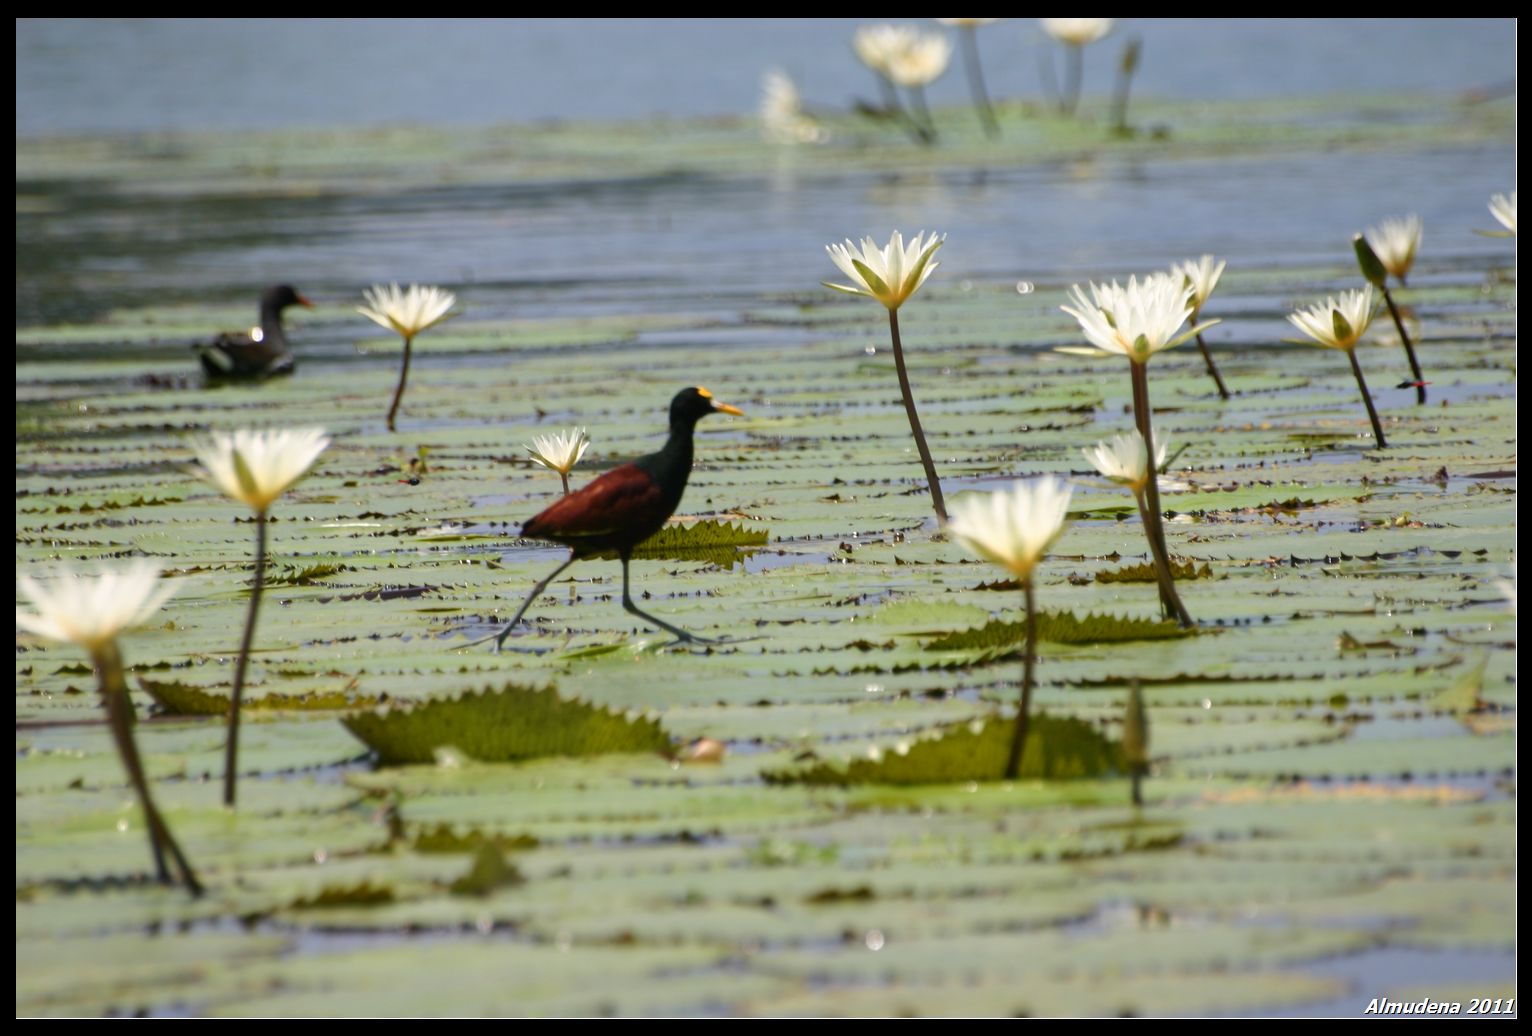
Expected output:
(1056, 748)
(994, 638)
(512, 723)
(721, 543)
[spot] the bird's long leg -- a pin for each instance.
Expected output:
(629, 606)
(539, 588)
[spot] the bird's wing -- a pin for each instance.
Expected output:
(215, 358)
(624, 498)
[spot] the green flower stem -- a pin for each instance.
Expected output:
(976, 87)
(923, 113)
(909, 408)
(404, 376)
(1151, 528)
(120, 720)
(1029, 661)
(1207, 358)
(1409, 348)
(1074, 68)
(231, 748)
(1162, 571)
(1135, 740)
(565, 476)
(1125, 69)
(1155, 528)
(1361, 383)
(891, 103)
(119, 714)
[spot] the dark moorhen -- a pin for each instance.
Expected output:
(261, 354)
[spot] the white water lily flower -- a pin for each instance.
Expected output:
(1202, 275)
(1124, 459)
(891, 274)
(409, 311)
(1503, 208)
(1014, 528)
(559, 452)
(1078, 31)
(1337, 323)
(91, 610)
(782, 116)
(878, 45)
(1139, 320)
(256, 468)
(1394, 242)
(922, 62)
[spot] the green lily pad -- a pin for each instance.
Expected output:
(512, 723)
(1056, 748)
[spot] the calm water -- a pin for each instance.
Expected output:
(155, 74)
(691, 245)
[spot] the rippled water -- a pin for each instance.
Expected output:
(711, 247)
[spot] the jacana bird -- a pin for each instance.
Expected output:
(626, 506)
(261, 354)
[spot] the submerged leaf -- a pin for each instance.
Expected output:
(710, 540)
(443, 838)
(996, 638)
(364, 893)
(1463, 695)
(505, 725)
(184, 699)
(1144, 573)
(488, 873)
(1057, 747)
(297, 575)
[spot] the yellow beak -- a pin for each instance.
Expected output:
(724, 408)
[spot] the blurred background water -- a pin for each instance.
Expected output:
(686, 242)
(133, 75)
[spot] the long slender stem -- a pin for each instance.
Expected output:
(976, 87)
(891, 102)
(1207, 358)
(1075, 70)
(1135, 739)
(231, 748)
(909, 408)
(1361, 383)
(119, 714)
(1162, 570)
(565, 476)
(404, 376)
(1141, 418)
(1145, 418)
(923, 112)
(1029, 661)
(119, 720)
(1125, 69)
(1409, 348)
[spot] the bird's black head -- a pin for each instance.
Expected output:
(280, 296)
(693, 404)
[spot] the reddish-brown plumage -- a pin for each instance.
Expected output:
(620, 509)
(624, 507)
